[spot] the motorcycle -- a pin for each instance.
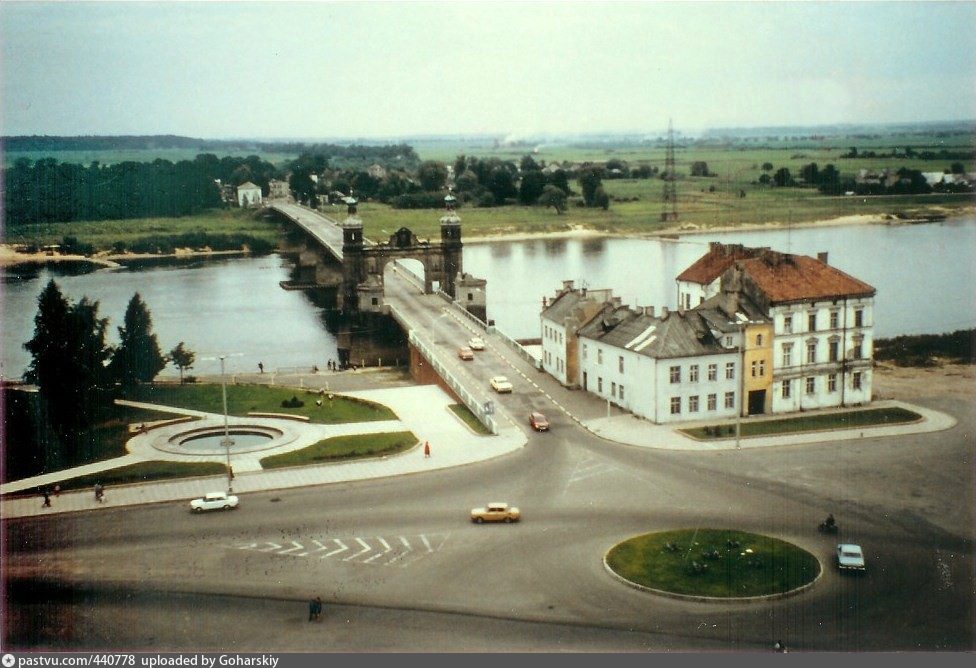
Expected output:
(827, 527)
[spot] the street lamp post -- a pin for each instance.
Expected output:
(226, 442)
(742, 384)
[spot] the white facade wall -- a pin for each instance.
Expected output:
(248, 196)
(802, 356)
(647, 387)
(692, 294)
(554, 351)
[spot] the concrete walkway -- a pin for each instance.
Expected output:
(422, 410)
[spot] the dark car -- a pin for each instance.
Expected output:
(538, 421)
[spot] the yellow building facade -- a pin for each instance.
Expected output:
(757, 369)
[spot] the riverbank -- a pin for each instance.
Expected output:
(10, 257)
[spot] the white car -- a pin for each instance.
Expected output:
(850, 557)
(214, 501)
(501, 385)
(496, 512)
(477, 343)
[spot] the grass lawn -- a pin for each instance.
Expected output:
(344, 447)
(242, 399)
(848, 420)
(468, 418)
(708, 562)
(144, 472)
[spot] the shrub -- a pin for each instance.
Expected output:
(294, 402)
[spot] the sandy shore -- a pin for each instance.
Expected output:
(10, 257)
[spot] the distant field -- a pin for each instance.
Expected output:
(139, 155)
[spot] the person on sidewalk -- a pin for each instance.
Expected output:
(261, 367)
(47, 499)
(315, 609)
(426, 449)
(99, 492)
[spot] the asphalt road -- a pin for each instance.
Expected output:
(400, 566)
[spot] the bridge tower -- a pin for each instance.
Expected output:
(354, 261)
(450, 245)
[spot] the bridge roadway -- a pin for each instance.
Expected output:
(325, 230)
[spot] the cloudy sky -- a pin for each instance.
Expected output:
(372, 69)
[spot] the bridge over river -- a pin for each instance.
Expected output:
(438, 310)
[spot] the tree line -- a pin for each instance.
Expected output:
(79, 375)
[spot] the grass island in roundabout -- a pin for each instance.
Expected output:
(713, 564)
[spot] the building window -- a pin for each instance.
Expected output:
(713, 371)
(858, 348)
(785, 389)
(470, 296)
(859, 317)
(620, 392)
(759, 340)
(675, 405)
(833, 350)
(832, 382)
(620, 364)
(584, 351)
(376, 301)
(693, 404)
(787, 324)
(811, 385)
(712, 402)
(812, 321)
(728, 341)
(755, 368)
(599, 356)
(834, 320)
(599, 385)
(856, 380)
(676, 374)
(729, 370)
(730, 399)
(762, 368)
(613, 390)
(787, 354)
(811, 352)
(693, 373)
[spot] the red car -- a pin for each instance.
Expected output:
(538, 421)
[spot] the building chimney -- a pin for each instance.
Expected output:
(664, 313)
(567, 285)
(822, 256)
(649, 311)
(615, 301)
(545, 302)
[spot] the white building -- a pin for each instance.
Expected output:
(667, 368)
(560, 321)
(823, 324)
(248, 194)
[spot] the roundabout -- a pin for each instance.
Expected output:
(713, 565)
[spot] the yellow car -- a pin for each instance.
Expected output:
(496, 512)
(465, 353)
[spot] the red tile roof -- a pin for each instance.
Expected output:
(791, 278)
(713, 264)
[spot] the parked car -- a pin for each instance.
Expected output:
(496, 512)
(538, 421)
(465, 353)
(477, 343)
(214, 501)
(850, 557)
(501, 385)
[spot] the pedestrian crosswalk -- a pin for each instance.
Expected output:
(398, 551)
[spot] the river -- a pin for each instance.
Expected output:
(924, 275)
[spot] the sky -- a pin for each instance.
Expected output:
(399, 69)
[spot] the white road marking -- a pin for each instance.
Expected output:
(274, 546)
(318, 549)
(366, 548)
(401, 555)
(379, 554)
(342, 548)
(298, 546)
(426, 543)
(252, 546)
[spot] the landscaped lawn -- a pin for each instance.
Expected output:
(244, 399)
(466, 416)
(722, 563)
(144, 472)
(344, 447)
(847, 420)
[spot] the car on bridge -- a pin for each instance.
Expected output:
(850, 557)
(538, 421)
(214, 501)
(465, 353)
(477, 343)
(496, 512)
(501, 385)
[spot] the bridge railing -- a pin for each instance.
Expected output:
(492, 329)
(473, 403)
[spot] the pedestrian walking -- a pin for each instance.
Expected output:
(318, 608)
(47, 499)
(57, 490)
(99, 492)
(261, 367)
(426, 449)
(311, 610)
